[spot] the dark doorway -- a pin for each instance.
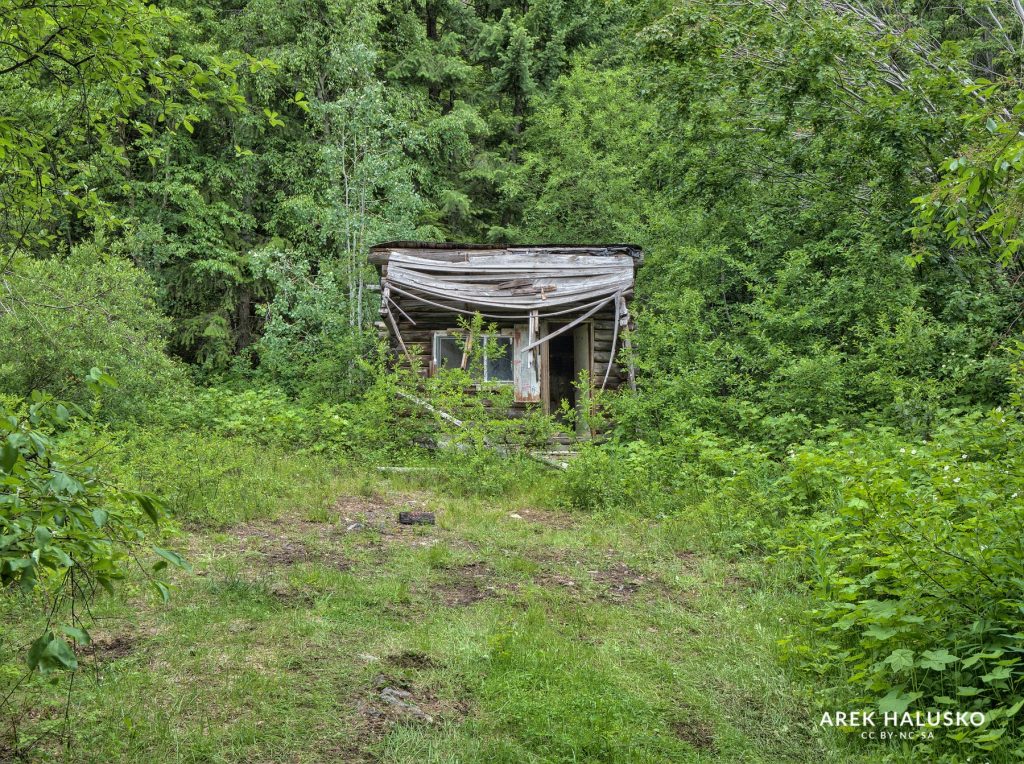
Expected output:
(561, 370)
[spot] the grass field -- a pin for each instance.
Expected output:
(322, 630)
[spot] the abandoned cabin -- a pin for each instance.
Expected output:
(558, 309)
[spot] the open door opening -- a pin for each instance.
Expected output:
(565, 357)
(561, 371)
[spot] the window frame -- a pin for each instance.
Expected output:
(457, 334)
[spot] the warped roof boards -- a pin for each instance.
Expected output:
(537, 291)
(507, 279)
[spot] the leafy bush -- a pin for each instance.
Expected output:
(313, 342)
(66, 529)
(265, 416)
(72, 314)
(726, 490)
(914, 553)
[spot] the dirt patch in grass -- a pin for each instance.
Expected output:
(392, 700)
(376, 520)
(739, 583)
(559, 580)
(620, 582)
(289, 596)
(469, 583)
(558, 569)
(465, 587)
(696, 733)
(369, 510)
(105, 649)
(376, 512)
(288, 553)
(278, 544)
(549, 556)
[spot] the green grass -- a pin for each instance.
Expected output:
(543, 638)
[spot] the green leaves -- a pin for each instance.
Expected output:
(81, 636)
(880, 632)
(900, 660)
(976, 197)
(896, 701)
(42, 536)
(914, 538)
(97, 379)
(62, 525)
(173, 558)
(998, 674)
(936, 660)
(162, 590)
(51, 653)
(9, 453)
(150, 506)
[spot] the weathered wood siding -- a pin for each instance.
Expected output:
(419, 339)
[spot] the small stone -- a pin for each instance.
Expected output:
(514, 516)
(401, 700)
(355, 527)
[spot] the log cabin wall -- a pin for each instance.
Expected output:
(411, 318)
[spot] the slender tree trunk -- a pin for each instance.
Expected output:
(430, 9)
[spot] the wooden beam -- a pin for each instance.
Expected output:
(399, 307)
(398, 334)
(615, 338)
(568, 326)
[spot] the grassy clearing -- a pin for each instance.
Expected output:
(524, 633)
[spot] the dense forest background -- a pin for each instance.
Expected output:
(766, 157)
(828, 195)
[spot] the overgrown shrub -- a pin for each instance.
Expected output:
(69, 315)
(914, 553)
(265, 416)
(726, 490)
(912, 550)
(212, 480)
(66, 530)
(374, 426)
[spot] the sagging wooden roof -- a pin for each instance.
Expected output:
(521, 278)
